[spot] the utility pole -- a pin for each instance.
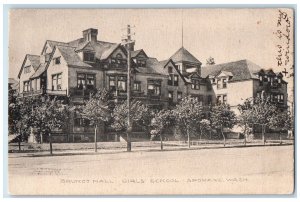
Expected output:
(128, 43)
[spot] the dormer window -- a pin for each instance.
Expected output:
(88, 56)
(170, 70)
(141, 63)
(224, 83)
(279, 80)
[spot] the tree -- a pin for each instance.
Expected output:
(245, 118)
(138, 112)
(98, 109)
(48, 114)
(187, 114)
(262, 111)
(161, 121)
(204, 127)
(282, 122)
(210, 61)
(222, 117)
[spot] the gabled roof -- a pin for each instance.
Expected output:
(183, 55)
(85, 46)
(137, 52)
(42, 68)
(71, 57)
(34, 61)
(12, 81)
(240, 70)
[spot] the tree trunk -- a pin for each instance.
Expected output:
(245, 136)
(19, 143)
(224, 139)
(161, 143)
(188, 134)
(95, 138)
(50, 141)
(263, 134)
(280, 138)
(41, 136)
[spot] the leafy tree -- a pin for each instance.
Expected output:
(187, 114)
(263, 111)
(222, 117)
(246, 117)
(162, 120)
(204, 127)
(282, 122)
(138, 112)
(98, 109)
(210, 61)
(48, 114)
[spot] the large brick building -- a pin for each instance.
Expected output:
(76, 68)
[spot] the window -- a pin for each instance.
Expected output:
(122, 83)
(170, 95)
(26, 87)
(141, 63)
(260, 80)
(175, 80)
(88, 56)
(195, 84)
(170, 70)
(280, 98)
(27, 69)
(279, 80)
(154, 87)
(200, 100)
(112, 83)
(225, 99)
(179, 96)
(170, 80)
(56, 82)
(81, 81)
(56, 61)
(218, 83)
(224, 83)
(209, 99)
(90, 81)
(218, 99)
(137, 86)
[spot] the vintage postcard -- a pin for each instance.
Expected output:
(151, 101)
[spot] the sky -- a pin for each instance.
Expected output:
(224, 34)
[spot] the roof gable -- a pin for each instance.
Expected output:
(183, 55)
(139, 53)
(70, 56)
(240, 70)
(33, 60)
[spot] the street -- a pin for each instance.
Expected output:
(261, 170)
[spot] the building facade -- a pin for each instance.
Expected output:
(75, 69)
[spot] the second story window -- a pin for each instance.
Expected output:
(225, 99)
(175, 80)
(137, 86)
(88, 56)
(170, 70)
(56, 81)
(224, 83)
(56, 61)
(195, 84)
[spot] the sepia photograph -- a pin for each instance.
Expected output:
(140, 101)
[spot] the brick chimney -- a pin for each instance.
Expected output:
(90, 34)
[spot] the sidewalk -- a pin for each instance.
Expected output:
(117, 147)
